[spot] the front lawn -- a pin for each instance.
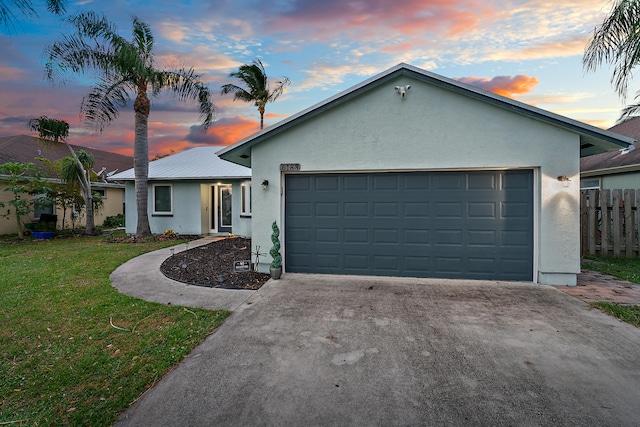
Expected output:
(73, 351)
(623, 268)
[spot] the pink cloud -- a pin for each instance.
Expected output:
(503, 85)
(404, 17)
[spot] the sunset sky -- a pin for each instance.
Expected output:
(529, 50)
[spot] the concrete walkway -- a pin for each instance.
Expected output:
(141, 278)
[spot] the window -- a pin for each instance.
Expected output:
(246, 198)
(162, 199)
(101, 191)
(42, 205)
(590, 184)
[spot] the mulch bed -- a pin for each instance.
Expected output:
(211, 265)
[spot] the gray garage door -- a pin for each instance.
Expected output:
(470, 224)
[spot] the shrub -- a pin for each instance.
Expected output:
(114, 221)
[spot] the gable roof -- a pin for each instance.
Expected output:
(615, 161)
(194, 164)
(593, 140)
(26, 148)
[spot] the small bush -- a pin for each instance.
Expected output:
(114, 221)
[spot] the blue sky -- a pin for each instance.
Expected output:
(529, 50)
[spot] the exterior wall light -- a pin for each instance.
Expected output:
(265, 184)
(564, 180)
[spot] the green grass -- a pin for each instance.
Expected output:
(623, 268)
(626, 313)
(73, 351)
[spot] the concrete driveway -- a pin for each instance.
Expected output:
(334, 350)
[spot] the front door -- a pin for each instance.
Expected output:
(223, 210)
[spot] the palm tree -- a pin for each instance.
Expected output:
(127, 70)
(255, 78)
(25, 8)
(75, 172)
(617, 42)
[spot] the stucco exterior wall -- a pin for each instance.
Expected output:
(432, 129)
(112, 206)
(191, 209)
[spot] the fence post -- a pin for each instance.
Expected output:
(617, 222)
(629, 196)
(605, 226)
(593, 221)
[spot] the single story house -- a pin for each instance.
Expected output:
(26, 148)
(193, 192)
(413, 174)
(614, 169)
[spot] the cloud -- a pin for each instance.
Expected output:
(503, 85)
(321, 20)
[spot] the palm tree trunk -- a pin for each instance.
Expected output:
(87, 194)
(261, 110)
(141, 161)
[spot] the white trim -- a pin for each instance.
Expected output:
(213, 208)
(537, 203)
(245, 198)
(219, 206)
(590, 178)
(153, 199)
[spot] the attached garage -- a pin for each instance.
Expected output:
(472, 225)
(447, 181)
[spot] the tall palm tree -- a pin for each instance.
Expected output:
(257, 87)
(127, 70)
(617, 42)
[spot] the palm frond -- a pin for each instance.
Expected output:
(237, 91)
(186, 85)
(56, 6)
(143, 40)
(93, 45)
(617, 42)
(103, 103)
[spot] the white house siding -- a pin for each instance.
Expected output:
(432, 129)
(624, 180)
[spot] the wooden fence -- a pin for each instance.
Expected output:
(609, 222)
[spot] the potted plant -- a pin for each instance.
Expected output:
(46, 227)
(276, 264)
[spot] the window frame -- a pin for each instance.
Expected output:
(155, 212)
(591, 187)
(246, 193)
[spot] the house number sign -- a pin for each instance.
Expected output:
(289, 167)
(240, 266)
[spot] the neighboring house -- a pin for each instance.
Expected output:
(193, 192)
(26, 148)
(448, 181)
(614, 169)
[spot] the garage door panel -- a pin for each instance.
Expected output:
(473, 224)
(416, 210)
(448, 181)
(385, 237)
(385, 210)
(327, 183)
(483, 181)
(385, 182)
(515, 210)
(485, 210)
